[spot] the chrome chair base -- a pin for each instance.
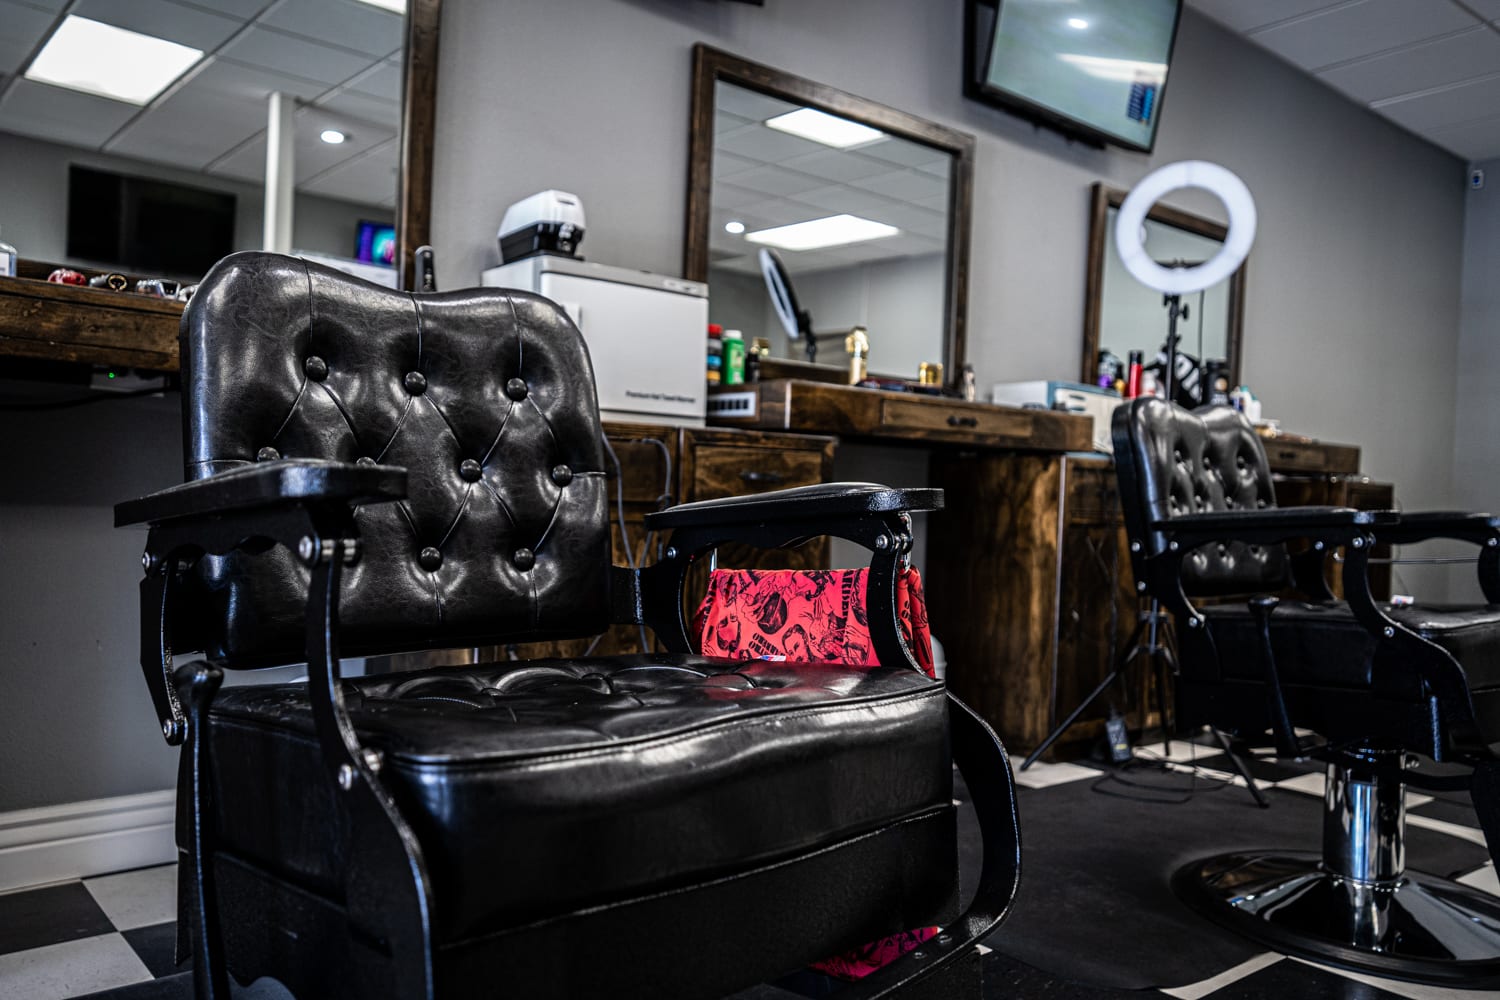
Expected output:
(1417, 927)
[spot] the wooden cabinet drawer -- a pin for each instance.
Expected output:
(721, 471)
(1092, 492)
(1312, 456)
(930, 416)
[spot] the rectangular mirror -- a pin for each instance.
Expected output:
(1122, 315)
(865, 209)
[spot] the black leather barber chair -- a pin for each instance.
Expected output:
(372, 471)
(1376, 684)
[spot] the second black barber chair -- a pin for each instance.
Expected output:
(1374, 684)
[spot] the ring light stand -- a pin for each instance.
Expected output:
(1173, 282)
(796, 321)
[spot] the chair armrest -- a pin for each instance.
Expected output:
(1420, 526)
(1273, 524)
(801, 503)
(267, 484)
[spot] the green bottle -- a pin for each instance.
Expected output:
(734, 357)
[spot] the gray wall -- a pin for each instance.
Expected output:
(1353, 283)
(34, 201)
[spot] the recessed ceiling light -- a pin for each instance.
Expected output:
(835, 230)
(332, 136)
(819, 126)
(110, 62)
(396, 6)
(734, 228)
(1077, 22)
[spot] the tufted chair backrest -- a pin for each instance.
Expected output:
(485, 396)
(1170, 462)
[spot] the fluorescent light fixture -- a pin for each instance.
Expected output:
(819, 126)
(835, 230)
(110, 62)
(734, 228)
(1077, 22)
(394, 6)
(332, 136)
(1118, 70)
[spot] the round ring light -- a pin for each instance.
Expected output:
(1210, 177)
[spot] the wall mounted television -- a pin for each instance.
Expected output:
(146, 225)
(1095, 70)
(375, 243)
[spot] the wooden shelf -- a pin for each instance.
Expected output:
(850, 412)
(39, 319)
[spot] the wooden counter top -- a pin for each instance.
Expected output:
(850, 412)
(39, 319)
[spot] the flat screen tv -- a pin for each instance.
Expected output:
(145, 225)
(1093, 69)
(375, 243)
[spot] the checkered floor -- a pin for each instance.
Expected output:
(112, 937)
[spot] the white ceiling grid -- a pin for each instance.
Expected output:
(764, 178)
(340, 58)
(1431, 66)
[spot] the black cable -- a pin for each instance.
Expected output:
(97, 397)
(624, 531)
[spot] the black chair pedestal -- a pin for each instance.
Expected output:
(1356, 905)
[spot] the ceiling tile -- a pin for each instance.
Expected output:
(766, 144)
(781, 212)
(1472, 140)
(314, 156)
(246, 162)
(161, 19)
(62, 115)
(837, 198)
(25, 27)
(734, 198)
(1349, 31)
(344, 23)
(1449, 106)
(901, 151)
(768, 179)
(227, 77)
(1244, 16)
(1488, 9)
(726, 122)
(361, 108)
(1428, 64)
(191, 128)
(748, 104)
(274, 50)
(244, 10)
(53, 5)
(906, 185)
(366, 180)
(726, 165)
(837, 165)
(382, 80)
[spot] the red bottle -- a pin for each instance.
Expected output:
(1133, 378)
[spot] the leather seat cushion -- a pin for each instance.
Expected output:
(1323, 644)
(540, 787)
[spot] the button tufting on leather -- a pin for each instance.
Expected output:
(524, 559)
(516, 389)
(430, 559)
(415, 382)
(562, 475)
(364, 460)
(267, 454)
(470, 470)
(315, 368)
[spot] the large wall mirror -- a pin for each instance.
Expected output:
(362, 75)
(1122, 315)
(880, 204)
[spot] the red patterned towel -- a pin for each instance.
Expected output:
(814, 617)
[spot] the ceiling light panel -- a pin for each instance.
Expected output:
(833, 231)
(395, 6)
(830, 130)
(111, 62)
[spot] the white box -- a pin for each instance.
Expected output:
(645, 333)
(1074, 397)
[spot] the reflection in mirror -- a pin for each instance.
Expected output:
(860, 228)
(340, 61)
(865, 207)
(1122, 315)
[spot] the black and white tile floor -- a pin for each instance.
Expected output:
(112, 936)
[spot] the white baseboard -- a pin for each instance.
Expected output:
(80, 839)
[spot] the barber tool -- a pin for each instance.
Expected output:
(548, 222)
(67, 276)
(857, 343)
(113, 281)
(185, 292)
(162, 288)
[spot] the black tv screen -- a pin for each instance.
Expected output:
(147, 226)
(1095, 69)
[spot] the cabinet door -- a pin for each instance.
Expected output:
(719, 464)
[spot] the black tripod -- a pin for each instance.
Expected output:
(1150, 625)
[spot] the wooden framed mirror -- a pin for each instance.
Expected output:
(1121, 315)
(913, 178)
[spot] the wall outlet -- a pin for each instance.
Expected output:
(1476, 179)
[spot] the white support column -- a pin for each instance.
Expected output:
(281, 173)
